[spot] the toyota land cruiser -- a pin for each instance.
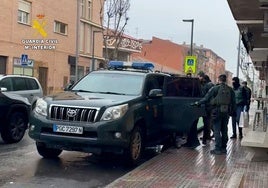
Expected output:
(122, 110)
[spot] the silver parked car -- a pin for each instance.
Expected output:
(25, 86)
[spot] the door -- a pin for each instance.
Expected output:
(3, 64)
(154, 107)
(43, 78)
(179, 93)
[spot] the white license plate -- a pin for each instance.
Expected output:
(67, 129)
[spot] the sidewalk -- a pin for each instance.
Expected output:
(198, 168)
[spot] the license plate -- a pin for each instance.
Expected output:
(67, 129)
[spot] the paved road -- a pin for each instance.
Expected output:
(21, 166)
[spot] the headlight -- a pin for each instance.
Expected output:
(41, 107)
(114, 112)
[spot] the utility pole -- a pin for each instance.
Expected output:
(192, 33)
(238, 55)
(77, 40)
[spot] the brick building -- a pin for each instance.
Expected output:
(45, 31)
(169, 57)
(166, 55)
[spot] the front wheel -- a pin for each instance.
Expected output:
(47, 152)
(15, 129)
(136, 146)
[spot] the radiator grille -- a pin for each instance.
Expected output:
(68, 113)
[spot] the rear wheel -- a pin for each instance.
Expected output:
(136, 147)
(15, 129)
(47, 152)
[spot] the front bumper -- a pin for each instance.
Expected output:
(96, 138)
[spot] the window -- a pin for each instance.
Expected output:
(19, 84)
(23, 70)
(154, 82)
(108, 82)
(80, 72)
(86, 9)
(6, 83)
(88, 39)
(82, 36)
(182, 87)
(24, 10)
(83, 8)
(60, 27)
(31, 84)
(89, 9)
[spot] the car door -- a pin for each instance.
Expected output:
(20, 87)
(179, 93)
(154, 106)
(34, 89)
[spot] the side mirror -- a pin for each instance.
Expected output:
(155, 93)
(68, 87)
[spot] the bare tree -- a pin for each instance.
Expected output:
(114, 21)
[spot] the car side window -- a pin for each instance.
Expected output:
(6, 83)
(31, 84)
(151, 83)
(182, 87)
(19, 84)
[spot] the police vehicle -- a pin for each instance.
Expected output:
(122, 110)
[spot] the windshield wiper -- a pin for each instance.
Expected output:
(108, 92)
(81, 90)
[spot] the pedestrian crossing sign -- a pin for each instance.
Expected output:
(190, 64)
(24, 59)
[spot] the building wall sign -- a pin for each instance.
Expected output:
(17, 62)
(127, 43)
(39, 25)
(39, 43)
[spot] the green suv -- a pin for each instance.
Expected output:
(121, 110)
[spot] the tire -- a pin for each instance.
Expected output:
(15, 129)
(47, 152)
(136, 146)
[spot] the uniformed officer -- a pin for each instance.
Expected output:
(220, 112)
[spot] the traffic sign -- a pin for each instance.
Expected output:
(190, 64)
(24, 59)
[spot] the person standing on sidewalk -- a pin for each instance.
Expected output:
(222, 99)
(248, 91)
(206, 84)
(240, 98)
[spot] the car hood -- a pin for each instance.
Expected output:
(17, 97)
(88, 99)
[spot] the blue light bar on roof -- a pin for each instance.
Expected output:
(133, 65)
(143, 65)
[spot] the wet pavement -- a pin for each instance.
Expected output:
(192, 168)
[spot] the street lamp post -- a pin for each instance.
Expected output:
(77, 40)
(192, 33)
(93, 49)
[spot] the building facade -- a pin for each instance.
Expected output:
(169, 57)
(207, 61)
(38, 38)
(166, 55)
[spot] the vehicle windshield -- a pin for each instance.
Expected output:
(111, 83)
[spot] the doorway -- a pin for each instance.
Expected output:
(43, 71)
